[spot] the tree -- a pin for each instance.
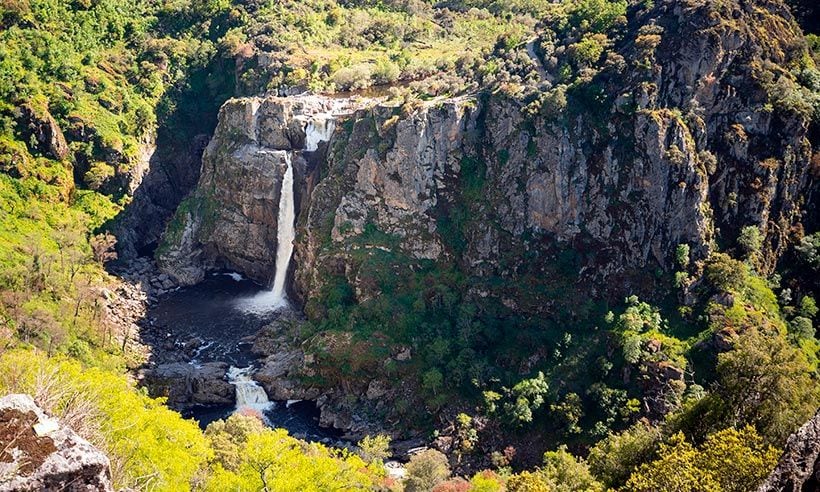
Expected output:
(528, 482)
(675, 470)
(767, 383)
(228, 437)
(569, 412)
(750, 240)
(682, 255)
(808, 251)
(566, 473)
(613, 459)
(527, 396)
(425, 470)
(731, 460)
(375, 449)
(738, 459)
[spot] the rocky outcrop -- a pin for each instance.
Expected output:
(230, 221)
(167, 176)
(187, 384)
(37, 453)
(40, 125)
(799, 467)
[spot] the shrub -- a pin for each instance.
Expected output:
(750, 240)
(425, 470)
(385, 72)
(596, 15)
(375, 449)
(353, 77)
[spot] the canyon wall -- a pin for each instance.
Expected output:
(688, 150)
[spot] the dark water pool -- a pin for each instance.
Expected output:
(301, 419)
(213, 320)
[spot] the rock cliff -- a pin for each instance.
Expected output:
(230, 220)
(799, 467)
(689, 149)
(687, 133)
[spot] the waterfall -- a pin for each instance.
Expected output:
(248, 392)
(318, 128)
(276, 298)
(285, 234)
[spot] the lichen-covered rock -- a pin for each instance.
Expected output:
(37, 453)
(799, 466)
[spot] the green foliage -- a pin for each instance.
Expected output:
(269, 459)
(588, 51)
(682, 255)
(524, 398)
(595, 15)
(613, 459)
(808, 251)
(150, 446)
(566, 473)
(425, 470)
(750, 240)
(765, 382)
(375, 449)
(728, 461)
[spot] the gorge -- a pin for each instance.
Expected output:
(404, 245)
(397, 203)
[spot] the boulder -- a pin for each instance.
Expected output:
(186, 384)
(38, 453)
(279, 377)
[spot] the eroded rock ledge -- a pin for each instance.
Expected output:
(38, 453)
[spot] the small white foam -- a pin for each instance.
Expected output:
(264, 302)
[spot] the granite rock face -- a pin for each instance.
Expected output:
(37, 453)
(230, 220)
(690, 151)
(799, 467)
(45, 130)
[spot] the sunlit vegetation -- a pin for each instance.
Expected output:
(650, 394)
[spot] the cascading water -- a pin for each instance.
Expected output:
(276, 298)
(285, 234)
(249, 395)
(318, 128)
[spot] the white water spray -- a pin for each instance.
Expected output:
(276, 298)
(249, 395)
(285, 233)
(318, 128)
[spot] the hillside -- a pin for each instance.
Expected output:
(564, 245)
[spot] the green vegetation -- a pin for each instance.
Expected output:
(694, 387)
